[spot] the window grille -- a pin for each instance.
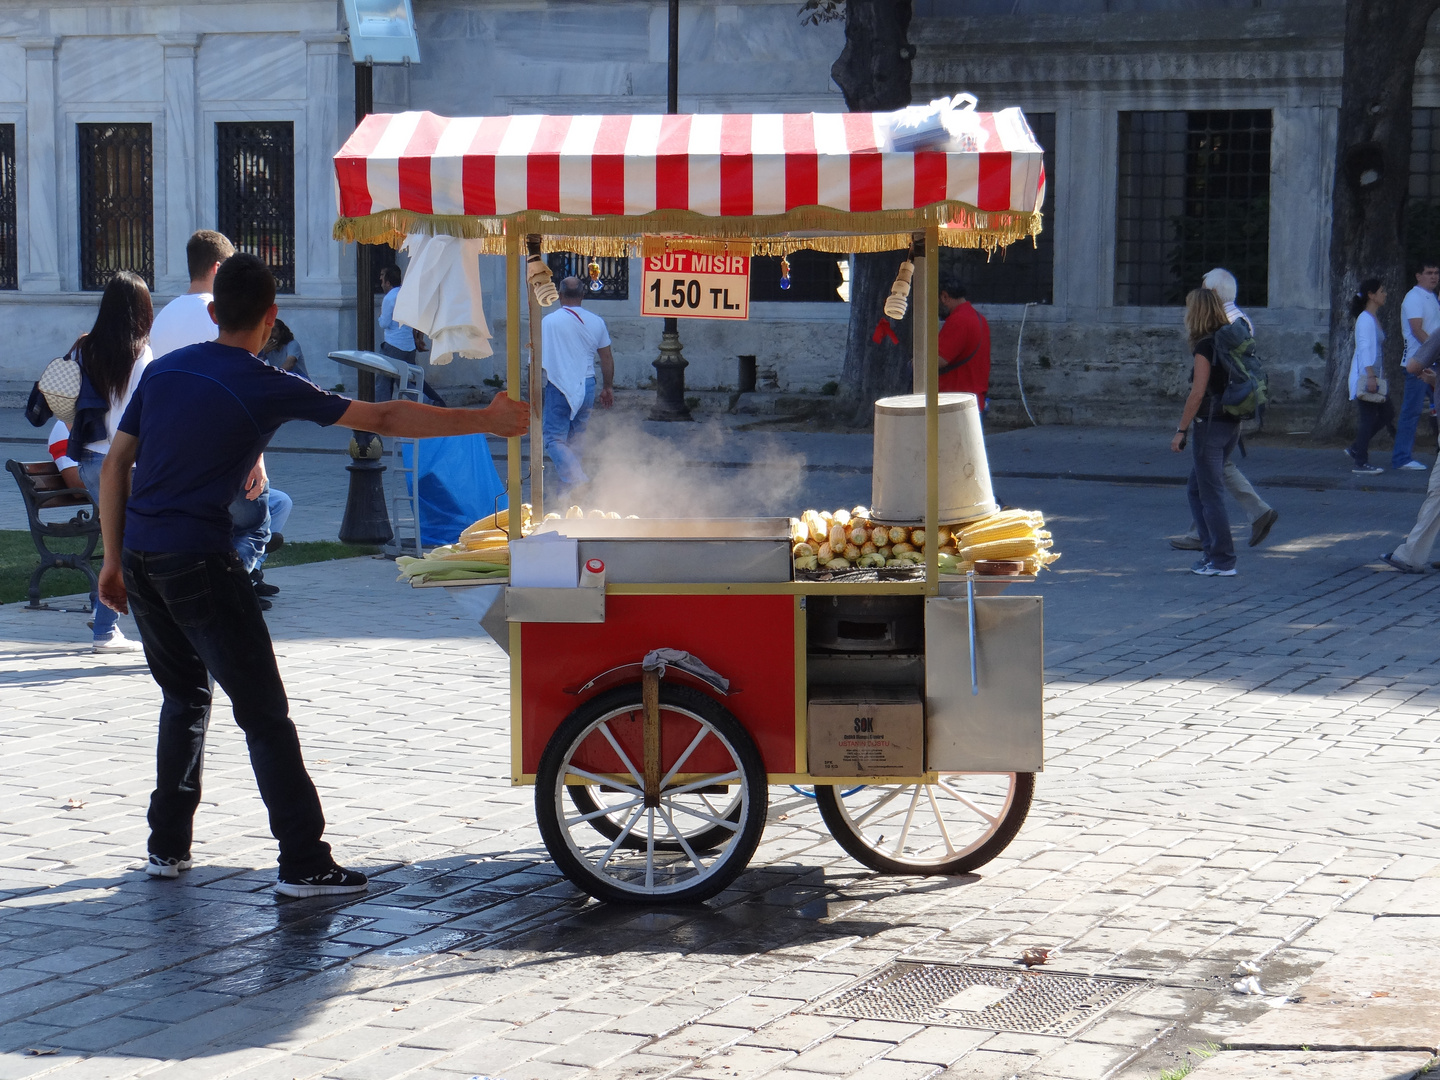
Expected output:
(614, 274)
(1023, 272)
(255, 193)
(1193, 194)
(1422, 207)
(814, 277)
(9, 261)
(117, 204)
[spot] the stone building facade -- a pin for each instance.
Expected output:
(1177, 132)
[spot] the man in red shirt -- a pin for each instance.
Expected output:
(964, 344)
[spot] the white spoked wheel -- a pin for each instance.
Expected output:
(704, 821)
(952, 826)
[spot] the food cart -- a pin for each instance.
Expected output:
(652, 713)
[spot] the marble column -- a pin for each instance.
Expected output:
(1302, 170)
(40, 267)
(1085, 263)
(182, 162)
(329, 111)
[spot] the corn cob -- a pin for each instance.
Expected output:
(1017, 548)
(1030, 518)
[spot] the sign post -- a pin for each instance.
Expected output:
(692, 285)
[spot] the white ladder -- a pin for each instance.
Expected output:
(405, 508)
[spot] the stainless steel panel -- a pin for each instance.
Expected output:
(671, 528)
(581, 605)
(1001, 728)
(690, 561)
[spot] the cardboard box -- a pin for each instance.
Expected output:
(866, 731)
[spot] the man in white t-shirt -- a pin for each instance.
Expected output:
(186, 319)
(1419, 318)
(570, 340)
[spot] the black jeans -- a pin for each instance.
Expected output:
(1373, 415)
(199, 620)
(1212, 442)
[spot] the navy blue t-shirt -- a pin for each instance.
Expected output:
(203, 414)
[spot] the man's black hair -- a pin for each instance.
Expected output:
(952, 288)
(1421, 265)
(244, 291)
(571, 288)
(390, 275)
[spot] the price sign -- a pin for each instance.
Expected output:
(687, 284)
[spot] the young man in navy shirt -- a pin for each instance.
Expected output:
(196, 425)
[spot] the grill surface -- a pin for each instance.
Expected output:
(976, 996)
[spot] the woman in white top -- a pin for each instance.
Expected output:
(1365, 305)
(112, 356)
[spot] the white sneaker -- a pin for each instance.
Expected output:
(1412, 466)
(156, 866)
(118, 643)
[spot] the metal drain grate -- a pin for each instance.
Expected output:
(975, 996)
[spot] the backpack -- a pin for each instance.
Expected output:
(1247, 388)
(59, 385)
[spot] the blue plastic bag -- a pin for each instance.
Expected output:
(458, 486)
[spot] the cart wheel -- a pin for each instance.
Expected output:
(952, 826)
(720, 801)
(651, 857)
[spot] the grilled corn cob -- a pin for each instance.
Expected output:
(1017, 548)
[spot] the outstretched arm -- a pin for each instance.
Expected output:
(114, 494)
(410, 420)
(606, 397)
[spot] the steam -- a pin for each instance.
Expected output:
(698, 470)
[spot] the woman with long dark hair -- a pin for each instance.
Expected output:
(1214, 435)
(1365, 308)
(112, 357)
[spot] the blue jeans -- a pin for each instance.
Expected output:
(90, 464)
(200, 621)
(563, 432)
(255, 521)
(1211, 442)
(1415, 390)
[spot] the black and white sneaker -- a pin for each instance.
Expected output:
(329, 882)
(159, 866)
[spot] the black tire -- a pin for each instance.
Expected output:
(646, 873)
(705, 838)
(863, 834)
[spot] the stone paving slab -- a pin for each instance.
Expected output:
(1234, 773)
(1311, 1065)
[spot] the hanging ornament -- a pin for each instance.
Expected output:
(596, 285)
(539, 277)
(784, 272)
(884, 331)
(898, 302)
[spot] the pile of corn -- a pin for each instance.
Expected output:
(842, 540)
(848, 540)
(1009, 534)
(483, 551)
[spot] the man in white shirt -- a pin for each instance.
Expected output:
(186, 319)
(1261, 514)
(1419, 318)
(570, 340)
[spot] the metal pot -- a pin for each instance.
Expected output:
(897, 492)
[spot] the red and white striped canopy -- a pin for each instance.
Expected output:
(719, 166)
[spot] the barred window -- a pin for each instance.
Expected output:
(117, 204)
(614, 276)
(1422, 207)
(255, 193)
(814, 277)
(9, 261)
(1024, 272)
(1193, 194)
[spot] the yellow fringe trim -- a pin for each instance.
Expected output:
(818, 228)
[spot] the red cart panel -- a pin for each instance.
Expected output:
(749, 639)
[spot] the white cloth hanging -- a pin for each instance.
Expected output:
(441, 296)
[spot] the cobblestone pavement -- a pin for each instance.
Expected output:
(1236, 770)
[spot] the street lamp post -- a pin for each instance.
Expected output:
(670, 365)
(381, 32)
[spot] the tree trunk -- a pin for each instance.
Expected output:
(1383, 39)
(873, 72)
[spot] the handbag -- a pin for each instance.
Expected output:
(59, 384)
(37, 410)
(1382, 392)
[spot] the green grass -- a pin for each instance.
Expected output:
(18, 560)
(1186, 1067)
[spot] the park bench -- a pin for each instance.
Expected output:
(43, 488)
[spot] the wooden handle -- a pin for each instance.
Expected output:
(650, 697)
